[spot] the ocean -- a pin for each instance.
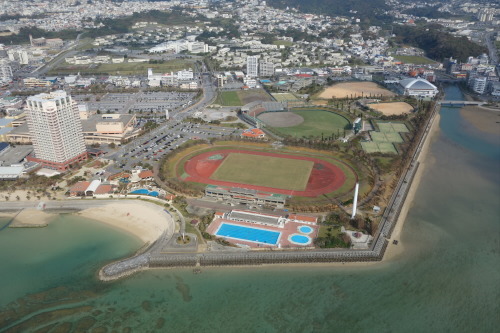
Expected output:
(447, 280)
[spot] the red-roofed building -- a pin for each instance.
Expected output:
(146, 175)
(119, 175)
(79, 189)
(253, 133)
(303, 219)
(104, 189)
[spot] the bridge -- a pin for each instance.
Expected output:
(460, 103)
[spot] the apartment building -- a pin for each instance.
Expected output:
(56, 130)
(253, 66)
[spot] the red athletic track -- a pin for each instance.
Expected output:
(322, 180)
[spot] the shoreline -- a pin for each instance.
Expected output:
(395, 251)
(28, 218)
(143, 220)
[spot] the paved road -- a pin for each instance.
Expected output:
(491, 47)
(57, 204)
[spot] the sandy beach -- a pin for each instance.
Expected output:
(32, 217)
(483, 119)
(343, 90)
(389, 109)
(142, 219)
(394, 251)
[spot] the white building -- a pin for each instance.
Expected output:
(418, 87)
(479, 84)
(5, 71)
(54, 124)
(253, 66)
(266, 68)
(185, 75)
(21, 56)
(221, 80)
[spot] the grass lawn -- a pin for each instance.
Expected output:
(283, 42)
(252, 95)
(315, 123)
(124, 68)
(241, 97)
(228, 98)
(417, 60)
(282, 173)
(280, 97)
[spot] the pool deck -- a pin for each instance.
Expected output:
(289, 229)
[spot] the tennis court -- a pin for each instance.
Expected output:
(379, 147)
(392, 137)
(388, 127)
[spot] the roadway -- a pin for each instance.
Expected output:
(153, 146)
(488, 37)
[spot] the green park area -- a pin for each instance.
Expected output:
(283, 173)
(416, 60)
(125, 68)
(241, 97)
(228, 98)
(283, 42)
(316, 123)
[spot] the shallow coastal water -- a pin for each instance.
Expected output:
(448, 278)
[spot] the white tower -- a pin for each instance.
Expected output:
(253, 66)
(54, 123)
(167, 115)
(355, 204)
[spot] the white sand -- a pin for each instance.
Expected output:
(33, 196)
(32, 217)
(144, 220)
(389, 109)
(346, 89)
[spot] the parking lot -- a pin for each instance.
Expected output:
(140, 102)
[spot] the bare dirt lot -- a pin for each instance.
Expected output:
(281, 119)
(389, 109)
(356, 89)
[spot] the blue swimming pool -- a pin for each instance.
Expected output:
(153, 193)
(305, 229)
(249, 234)
(300, 239)
(140, 191)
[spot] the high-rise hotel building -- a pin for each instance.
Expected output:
(54, 123)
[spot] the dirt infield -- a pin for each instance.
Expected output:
(281, 119)
(356, 89)
(389, 109)
(324, 178)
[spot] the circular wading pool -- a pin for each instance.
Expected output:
(305, 229)
(299, 239)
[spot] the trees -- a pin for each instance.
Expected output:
(437, 42)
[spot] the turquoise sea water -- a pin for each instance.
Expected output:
(448, 279)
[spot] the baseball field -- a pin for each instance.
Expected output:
(313, 122)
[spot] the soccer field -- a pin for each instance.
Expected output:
(282, 173)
